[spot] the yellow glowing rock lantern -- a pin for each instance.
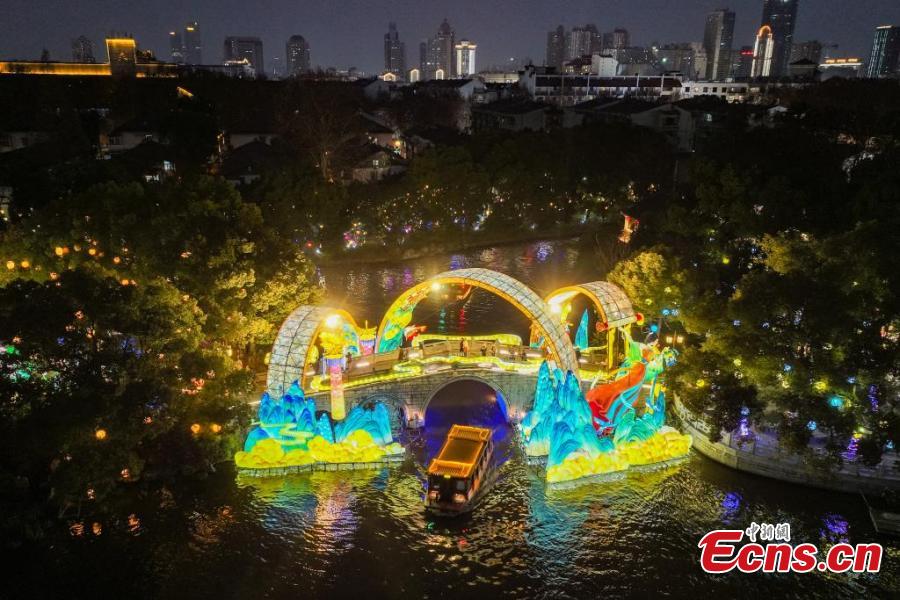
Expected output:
(148, 420)
(124, 282)
(215, 428)
(116, 259)
(25, 264)
(54, 275)
(100, 434)
(821, 385)
(59, 251)
(10, 265)
(92, 251)
(195, 428)
(701, 383)
(726, 260)
(125, 473)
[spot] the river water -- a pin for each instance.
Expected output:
(365, 535)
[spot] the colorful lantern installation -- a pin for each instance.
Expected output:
(581, 335)
(367, 340)
(333, 345)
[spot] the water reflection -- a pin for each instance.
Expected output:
(365, 533)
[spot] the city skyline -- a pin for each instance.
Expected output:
(352, 34)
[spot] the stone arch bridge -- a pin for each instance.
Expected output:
(294, 354)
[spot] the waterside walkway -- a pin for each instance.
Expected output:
(764, 457)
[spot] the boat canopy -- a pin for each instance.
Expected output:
(460, 452)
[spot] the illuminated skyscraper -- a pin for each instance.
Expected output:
(780, 16)
(439, 55)
(465, 58)
(884, 61)
(193, 48)
(297, 49)
(238, 49)
(763, 52)
(394, 52)
(717, 40)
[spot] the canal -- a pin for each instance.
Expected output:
(364, 534)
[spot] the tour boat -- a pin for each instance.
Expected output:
(461, 472)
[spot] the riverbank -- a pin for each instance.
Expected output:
(375, 254)
(774, 463)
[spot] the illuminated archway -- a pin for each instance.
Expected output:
(612, 305)
(295, 342)
(398, 316)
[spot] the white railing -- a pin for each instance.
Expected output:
(763, 450)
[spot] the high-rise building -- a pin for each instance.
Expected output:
(580, 42)
(394, 52)
(83, 50)
(556, 47)
(742, 62)
(780, 16)
(423, 59)
(679, 58)
(616, 39)
(193, 48)
(439, 55)
(465, 58)
(176, 47)
(297, 50)
(250, 49)
(763, 53)
(884, 61)
(717, 39)
(596, 39)
(811, 51)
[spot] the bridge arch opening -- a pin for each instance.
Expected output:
(465, 400)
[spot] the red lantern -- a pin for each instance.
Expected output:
(639, 318)
(601, 326)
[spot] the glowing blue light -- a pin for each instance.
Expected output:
(736, 322)
(745, 411)
(732, 502)
(654, 328)
(851, 380)
(666, 312)
(811, 426)
(788, 368)
(836, 402)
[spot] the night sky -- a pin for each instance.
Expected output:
(345, 33)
